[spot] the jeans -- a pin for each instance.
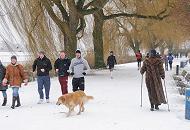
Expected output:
(43, 82)
(15, 91)
(4, 94)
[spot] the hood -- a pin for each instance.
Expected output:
(153, 60)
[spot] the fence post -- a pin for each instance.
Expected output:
(177, 69)
(187, 104)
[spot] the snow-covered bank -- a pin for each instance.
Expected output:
(116, 106)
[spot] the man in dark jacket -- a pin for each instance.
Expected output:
(111, 61)
(2, 87)
(153, 67)
(43, 65)
(61, 67)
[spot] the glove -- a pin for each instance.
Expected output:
(71, 73)
(84, 73)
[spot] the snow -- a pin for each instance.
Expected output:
(116, 106)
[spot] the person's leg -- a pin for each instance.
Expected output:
(64, 84)
(4, 94)
(47, 84)
(5, 98)
(138, 64)
(75, 84)
(40, 87)
(15, 91)
(82, 84)
(15, 95)
(170, 66)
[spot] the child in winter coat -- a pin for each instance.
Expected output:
(15, 76)
(2, 87)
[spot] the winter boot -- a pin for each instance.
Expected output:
(18, 101)
(156, 107)
(13, 102)
(4, 102)
(152, 107)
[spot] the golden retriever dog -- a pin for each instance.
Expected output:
(71, 100)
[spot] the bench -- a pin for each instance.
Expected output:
(182, 82)
(183, 63)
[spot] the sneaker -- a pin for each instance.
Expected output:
(47, 101)
(40, 101)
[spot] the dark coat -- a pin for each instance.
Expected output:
(63, 66)
(154, 72)
(43, 63)
(2, 75)
(111, 61)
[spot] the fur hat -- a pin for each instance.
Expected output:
(152, 52)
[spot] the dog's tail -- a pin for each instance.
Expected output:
(87, 98)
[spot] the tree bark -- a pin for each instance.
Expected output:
(98, 39)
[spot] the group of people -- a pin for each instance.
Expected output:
(14, 75)
(167, 59)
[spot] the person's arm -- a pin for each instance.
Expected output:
(56, 64)
(115, 60)
(86, 67)
(68, 64)
(49, 67)
(108, 60)
(22, 73)
(71, 67)
(161, 70)
(7, 76)
(34, 65)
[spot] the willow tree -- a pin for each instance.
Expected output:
(101, 16)
(71, 22)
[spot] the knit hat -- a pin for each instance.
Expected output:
(13, 57)
(78, 51)
(111, 51)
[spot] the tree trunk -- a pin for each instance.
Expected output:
(70, 45)
(98, 39)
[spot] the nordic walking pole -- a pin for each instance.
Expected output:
(141, 89)
(166, 95)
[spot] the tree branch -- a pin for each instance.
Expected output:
(62, 9)
(61, 24)
(82, 25)
(160, 16)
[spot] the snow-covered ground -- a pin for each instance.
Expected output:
(116, 106)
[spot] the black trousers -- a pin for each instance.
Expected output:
(139, 63)
(78, 84)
